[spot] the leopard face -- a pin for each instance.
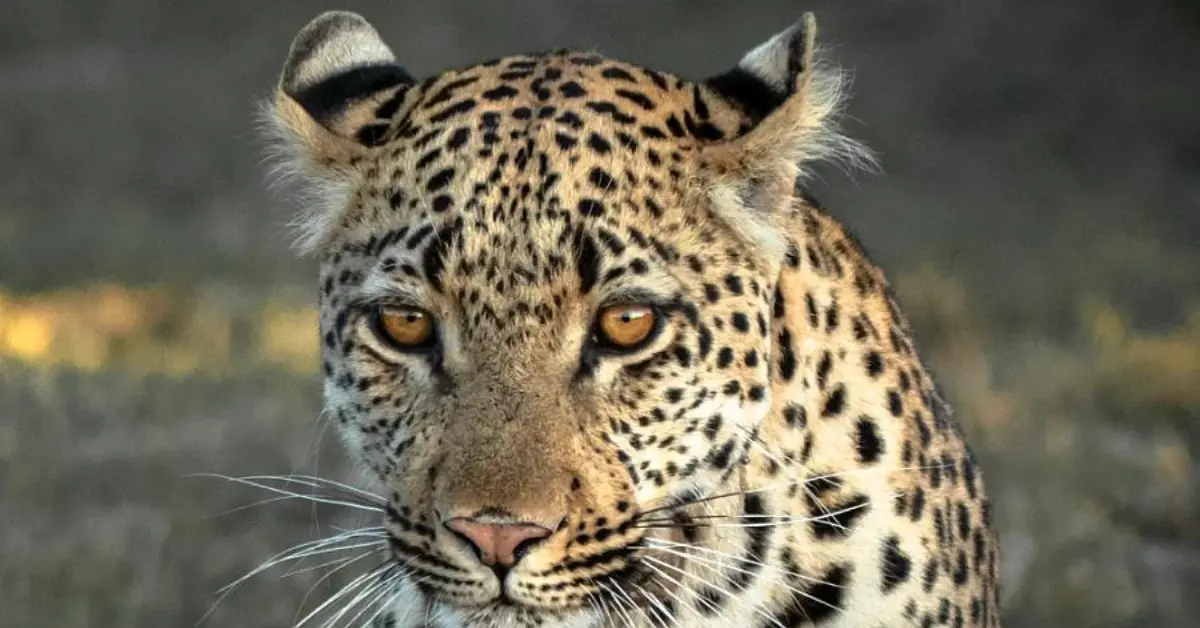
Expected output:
(551, 306)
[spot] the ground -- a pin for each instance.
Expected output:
(1038, 213)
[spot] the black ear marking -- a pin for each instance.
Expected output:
(337, 61)
(770, 73)
(751, 93)
(331, 97)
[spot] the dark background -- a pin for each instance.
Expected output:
(1039, 212)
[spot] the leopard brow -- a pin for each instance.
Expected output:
(639, 295)
(381, 287)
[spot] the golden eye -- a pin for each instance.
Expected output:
(625, 326)
(406, 327)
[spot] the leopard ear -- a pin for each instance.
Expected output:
(790, 100)
(339, 89)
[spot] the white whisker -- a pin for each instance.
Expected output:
(659, 608)
(713, 565)
(345, 590)
(294, 494)
(665, 543)
(730, 594)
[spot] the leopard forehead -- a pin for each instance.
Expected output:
(527, 148)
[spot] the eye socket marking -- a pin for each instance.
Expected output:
(405, 328)
(625, 327)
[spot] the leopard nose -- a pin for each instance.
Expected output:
(498, 544)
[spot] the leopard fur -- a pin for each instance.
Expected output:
(777, 455)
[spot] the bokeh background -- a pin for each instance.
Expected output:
(1039, 212)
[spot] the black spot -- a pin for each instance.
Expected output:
(724, 357)
(874, 363)
(570, 119)
(929, 577)
(704, 337)
(500, 93)
(599, 144)
(432, 260)
(787, 356)
(834, 402)
(741, 322)
(571, 89)
(564, 141)
(823, 368)
(441, 203)
(440, 180)
(795, 415)
(718, 458)
(733, 283)
(601, 179)
(591, 207)
(896, 564)
(712, 293)
(836, 521)
(372, 134)
(713, 427)
(819, 601)
(457, 108)
(960, 569)
(588, 261)
(459, 138)
(428, 158)
(918, 504)
(617, 73)
(637, 98)
(895, 405)
(867, 440)
(612, 110)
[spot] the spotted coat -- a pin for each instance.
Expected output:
(776, 454)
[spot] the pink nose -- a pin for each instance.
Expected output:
(497, 543)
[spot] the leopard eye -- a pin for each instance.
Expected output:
(405, 327)
(625, 327)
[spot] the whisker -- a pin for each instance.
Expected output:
(608, 614)
(783, 520)
(619, 604)
(734, 558)
(753, 608)
(385, 590)
(329, 574)
(778, 486)
(632, 604)
(708, 562)
(380, 546)
(356, 583)
(647, 561)
(659, 609)
(294, 494)
(379, 499)
(296, 552)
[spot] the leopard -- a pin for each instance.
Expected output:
(604, 358)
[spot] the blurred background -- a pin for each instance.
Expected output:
(1039, 213)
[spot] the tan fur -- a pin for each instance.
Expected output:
(757, 463)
